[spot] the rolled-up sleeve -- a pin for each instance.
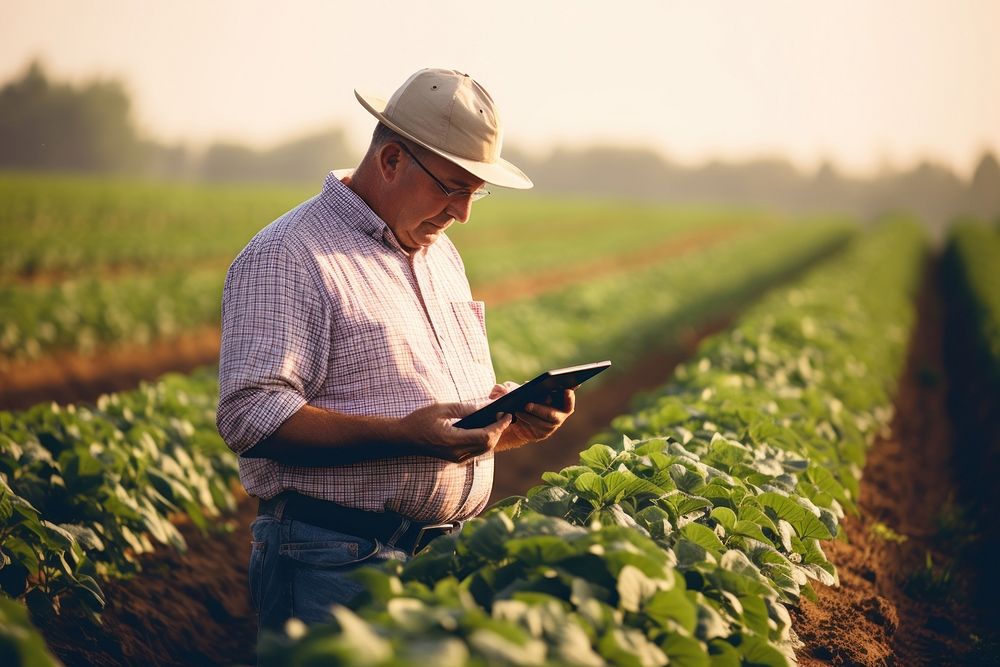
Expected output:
(275, 342)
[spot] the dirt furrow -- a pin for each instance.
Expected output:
(905, 583)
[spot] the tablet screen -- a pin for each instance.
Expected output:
(536, 390)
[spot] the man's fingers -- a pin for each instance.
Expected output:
(501, 389)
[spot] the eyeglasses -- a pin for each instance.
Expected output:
(473, 195)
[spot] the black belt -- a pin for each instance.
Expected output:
(389, 528)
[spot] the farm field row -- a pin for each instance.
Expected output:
(61, 228)
(145, 454)
(973, 258)
(688, 544)
(86, 311)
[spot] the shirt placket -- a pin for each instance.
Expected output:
(446, 346)
(435, 319)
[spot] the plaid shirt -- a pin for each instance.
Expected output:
(324, 307)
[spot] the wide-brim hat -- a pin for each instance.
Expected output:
(449, 113)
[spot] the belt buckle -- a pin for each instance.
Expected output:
(445, 528)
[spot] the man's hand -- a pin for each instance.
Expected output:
(431, 429)
(537, 421)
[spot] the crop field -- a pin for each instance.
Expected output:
(791, 461)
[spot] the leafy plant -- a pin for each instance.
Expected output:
(685, 542)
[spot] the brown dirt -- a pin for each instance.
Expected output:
(67, 377)
(182, 609)
(891, 609)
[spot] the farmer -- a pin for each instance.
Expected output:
(351, 343)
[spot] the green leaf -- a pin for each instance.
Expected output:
(626, 647)
(758, 652)
(506, 651)
(687, 480)
(672, 605)
(487, 538)
(725, 516)
(685, 651)
(704, 537)
(598, 457)
(590, 487)
(540, 549)
(624, 484)
(806, 523)
(634, 588)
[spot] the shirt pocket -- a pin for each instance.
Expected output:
(470, 317)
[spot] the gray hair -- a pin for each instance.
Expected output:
(383, 135)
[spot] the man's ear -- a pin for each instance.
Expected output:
(388, 161)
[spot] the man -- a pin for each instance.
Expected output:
(351, 344)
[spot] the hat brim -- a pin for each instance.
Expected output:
(501, 172)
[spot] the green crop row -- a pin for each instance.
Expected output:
(82, 315)
(685, 546)
(625, 315)
(87, 488)
(133, 262)
(85, 314)
(68, 226)
(972, 259)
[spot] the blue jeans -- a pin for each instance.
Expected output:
(300, 570)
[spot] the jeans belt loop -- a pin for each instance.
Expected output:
(279, 508)
(403, 526)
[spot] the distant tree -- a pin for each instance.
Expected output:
(229, 162)
(46, 125)
(300, 160)
(984, 191)
(308, 158)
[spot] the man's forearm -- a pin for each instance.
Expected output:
(317, 437)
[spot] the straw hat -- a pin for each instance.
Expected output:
(449, 113)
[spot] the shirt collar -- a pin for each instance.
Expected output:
(353, 209)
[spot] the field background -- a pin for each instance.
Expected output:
(784, 237)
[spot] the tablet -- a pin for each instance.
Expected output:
(537, 390)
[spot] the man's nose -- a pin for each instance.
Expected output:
(460, 208)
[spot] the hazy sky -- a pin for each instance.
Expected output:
(865, 83)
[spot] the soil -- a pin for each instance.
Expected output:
(182, 609)
(907, 593)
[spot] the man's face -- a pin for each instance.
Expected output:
(423, 210)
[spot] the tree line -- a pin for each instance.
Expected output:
(49, 125)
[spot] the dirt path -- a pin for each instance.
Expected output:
(69, 377)
(906, 580)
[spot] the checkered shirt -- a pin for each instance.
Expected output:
(323, 307)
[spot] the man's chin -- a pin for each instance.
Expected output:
(429, 236)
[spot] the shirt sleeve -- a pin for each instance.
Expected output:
(275, 342)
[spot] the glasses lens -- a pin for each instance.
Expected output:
(479, 194)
